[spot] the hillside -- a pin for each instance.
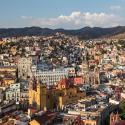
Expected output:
(119, 36)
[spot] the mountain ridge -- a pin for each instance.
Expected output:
(84, 33)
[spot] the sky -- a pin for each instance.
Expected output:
(67, 14)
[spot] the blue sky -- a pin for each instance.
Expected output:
(70, 14)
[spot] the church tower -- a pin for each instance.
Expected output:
(43, 97)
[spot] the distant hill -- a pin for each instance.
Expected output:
(84, 33)
(119, 36)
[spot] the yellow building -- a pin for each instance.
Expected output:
(69, 96)
(13, 50)
(34, 122)
(34, 96)
(50, 99)
(89, 122)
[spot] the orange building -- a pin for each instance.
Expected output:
(7, 75)
(8, 81)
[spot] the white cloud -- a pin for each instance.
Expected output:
(26, 17)
(77, 20)
(115, 7)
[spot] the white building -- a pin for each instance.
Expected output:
(13, 92)
(51, 77)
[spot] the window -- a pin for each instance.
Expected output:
(17, 94)
(48, 96)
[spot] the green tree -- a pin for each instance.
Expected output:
(122, 106)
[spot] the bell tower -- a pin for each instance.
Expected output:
(43, 97)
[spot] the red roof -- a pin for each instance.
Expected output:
(64, 82)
